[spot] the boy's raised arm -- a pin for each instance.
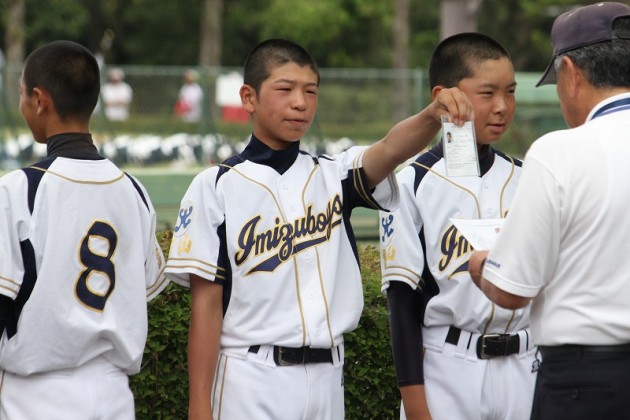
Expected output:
(410, 136)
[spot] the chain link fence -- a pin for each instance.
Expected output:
(164, 152)
(355, 106)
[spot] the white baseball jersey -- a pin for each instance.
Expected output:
(421, 247)
(273, 227)
(78, 259)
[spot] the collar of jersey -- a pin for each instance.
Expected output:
(72, 146)
(280, 160)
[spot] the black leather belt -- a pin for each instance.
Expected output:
(489, 345)
(576, 352)
(288, 356)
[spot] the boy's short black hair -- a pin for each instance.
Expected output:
(270, 54)
(69, 73)
(454, 57)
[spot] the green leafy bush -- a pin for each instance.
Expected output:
(370, 378)
(161, 387)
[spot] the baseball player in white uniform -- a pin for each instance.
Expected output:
(265, 243)
(478, 357)
(78, 257)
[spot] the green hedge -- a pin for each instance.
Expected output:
(161, 387)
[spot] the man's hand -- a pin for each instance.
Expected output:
(475, 266)
(498, 296)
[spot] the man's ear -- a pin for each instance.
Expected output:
(248, 97)
(573, 76)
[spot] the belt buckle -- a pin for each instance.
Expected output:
(279, 357)
(278, 350)
(481, 346)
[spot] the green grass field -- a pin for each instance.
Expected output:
(167, 187)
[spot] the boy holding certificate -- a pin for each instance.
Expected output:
(456, 353)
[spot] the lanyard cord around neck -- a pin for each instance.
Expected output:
(618, 105)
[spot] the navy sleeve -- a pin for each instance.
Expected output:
(6, 308)
(405, 321)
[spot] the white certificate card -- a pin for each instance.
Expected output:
(460, 149)
(480, 233)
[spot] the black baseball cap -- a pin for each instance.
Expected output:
(580, 27)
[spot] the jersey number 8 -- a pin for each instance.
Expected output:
(96, 252)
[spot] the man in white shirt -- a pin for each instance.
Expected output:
(190, 99)
(117, 96)
(563, 244)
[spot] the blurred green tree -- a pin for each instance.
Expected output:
(339, 33)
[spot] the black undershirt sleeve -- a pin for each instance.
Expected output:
(6, 306)
(405, 321)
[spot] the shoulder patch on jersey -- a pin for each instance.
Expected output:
(388, 249)
(387, 219)
(184, 218)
